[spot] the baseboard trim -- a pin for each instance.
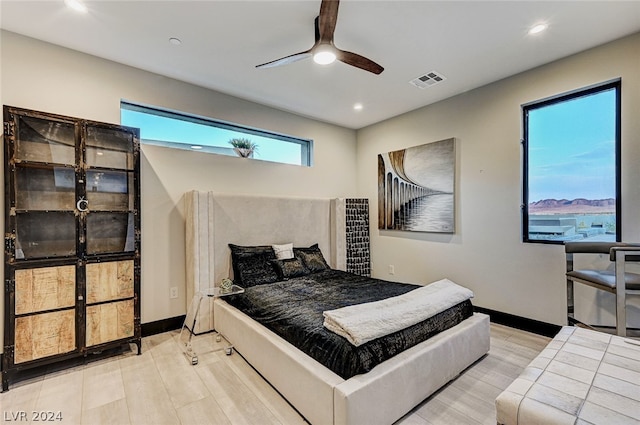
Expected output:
(164, 325)
(530, 325)
(513, 321)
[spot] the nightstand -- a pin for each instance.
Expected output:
(187, 331)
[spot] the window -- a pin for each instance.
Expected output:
(181, 131)
(571, 179)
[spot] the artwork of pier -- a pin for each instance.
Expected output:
(416, 188)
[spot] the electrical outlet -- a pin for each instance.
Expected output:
(173, 293)
(392, 269)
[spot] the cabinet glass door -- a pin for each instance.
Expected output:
(45, 234)
(110, 190)
(45, 140)
(110, 232)
(45, 188)
(109, 148)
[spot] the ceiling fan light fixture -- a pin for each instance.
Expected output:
(324, 57)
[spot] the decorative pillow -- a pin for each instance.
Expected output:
(251, 265)
(283, 251)
(290, 267)
(312, 258)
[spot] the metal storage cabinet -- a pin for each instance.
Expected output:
(72, 239)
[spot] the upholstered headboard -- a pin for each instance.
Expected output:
(215, 220)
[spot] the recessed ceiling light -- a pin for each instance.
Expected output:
(358, 106)
(76, 5)
(538, 28)
(175, 41)
(196, 147)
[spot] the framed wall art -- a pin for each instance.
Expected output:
(416, 188)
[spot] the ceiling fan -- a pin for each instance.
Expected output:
(324, 51)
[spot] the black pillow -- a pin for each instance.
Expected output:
(290, 267)
(312, 258)
(251, 265)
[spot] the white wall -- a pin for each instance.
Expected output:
(44, 77)
(486, 253)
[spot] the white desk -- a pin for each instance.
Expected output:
(187, 331)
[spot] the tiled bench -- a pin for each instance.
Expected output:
(582, 377)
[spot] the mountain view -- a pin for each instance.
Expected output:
(574, 206)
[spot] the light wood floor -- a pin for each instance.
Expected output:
(161, 387)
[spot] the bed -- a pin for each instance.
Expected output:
(380, 396)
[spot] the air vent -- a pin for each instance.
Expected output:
(427, 80)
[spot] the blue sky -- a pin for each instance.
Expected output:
(572, 149)
(155, 127)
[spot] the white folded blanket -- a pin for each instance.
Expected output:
(361, 323)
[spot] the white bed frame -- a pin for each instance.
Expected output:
(380, 396)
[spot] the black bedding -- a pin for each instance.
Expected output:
(293, 309)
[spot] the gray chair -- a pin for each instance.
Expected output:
(617, 281)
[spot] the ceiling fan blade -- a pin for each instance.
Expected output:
(358, 61)
(286, 60)
(325, 26)
(327, 19)
(317, 29)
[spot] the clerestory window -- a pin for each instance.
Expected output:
(183, 131)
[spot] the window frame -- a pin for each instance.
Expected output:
(306, 145)
(615, 84)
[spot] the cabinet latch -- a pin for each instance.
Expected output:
(9, 353)
(9, 286)
(9, 128)
(9, 245)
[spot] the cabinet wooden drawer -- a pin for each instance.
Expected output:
(46, 288)
(111, 280)
(109, 322)
(46, 334)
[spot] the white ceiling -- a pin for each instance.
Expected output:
(472, 43)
